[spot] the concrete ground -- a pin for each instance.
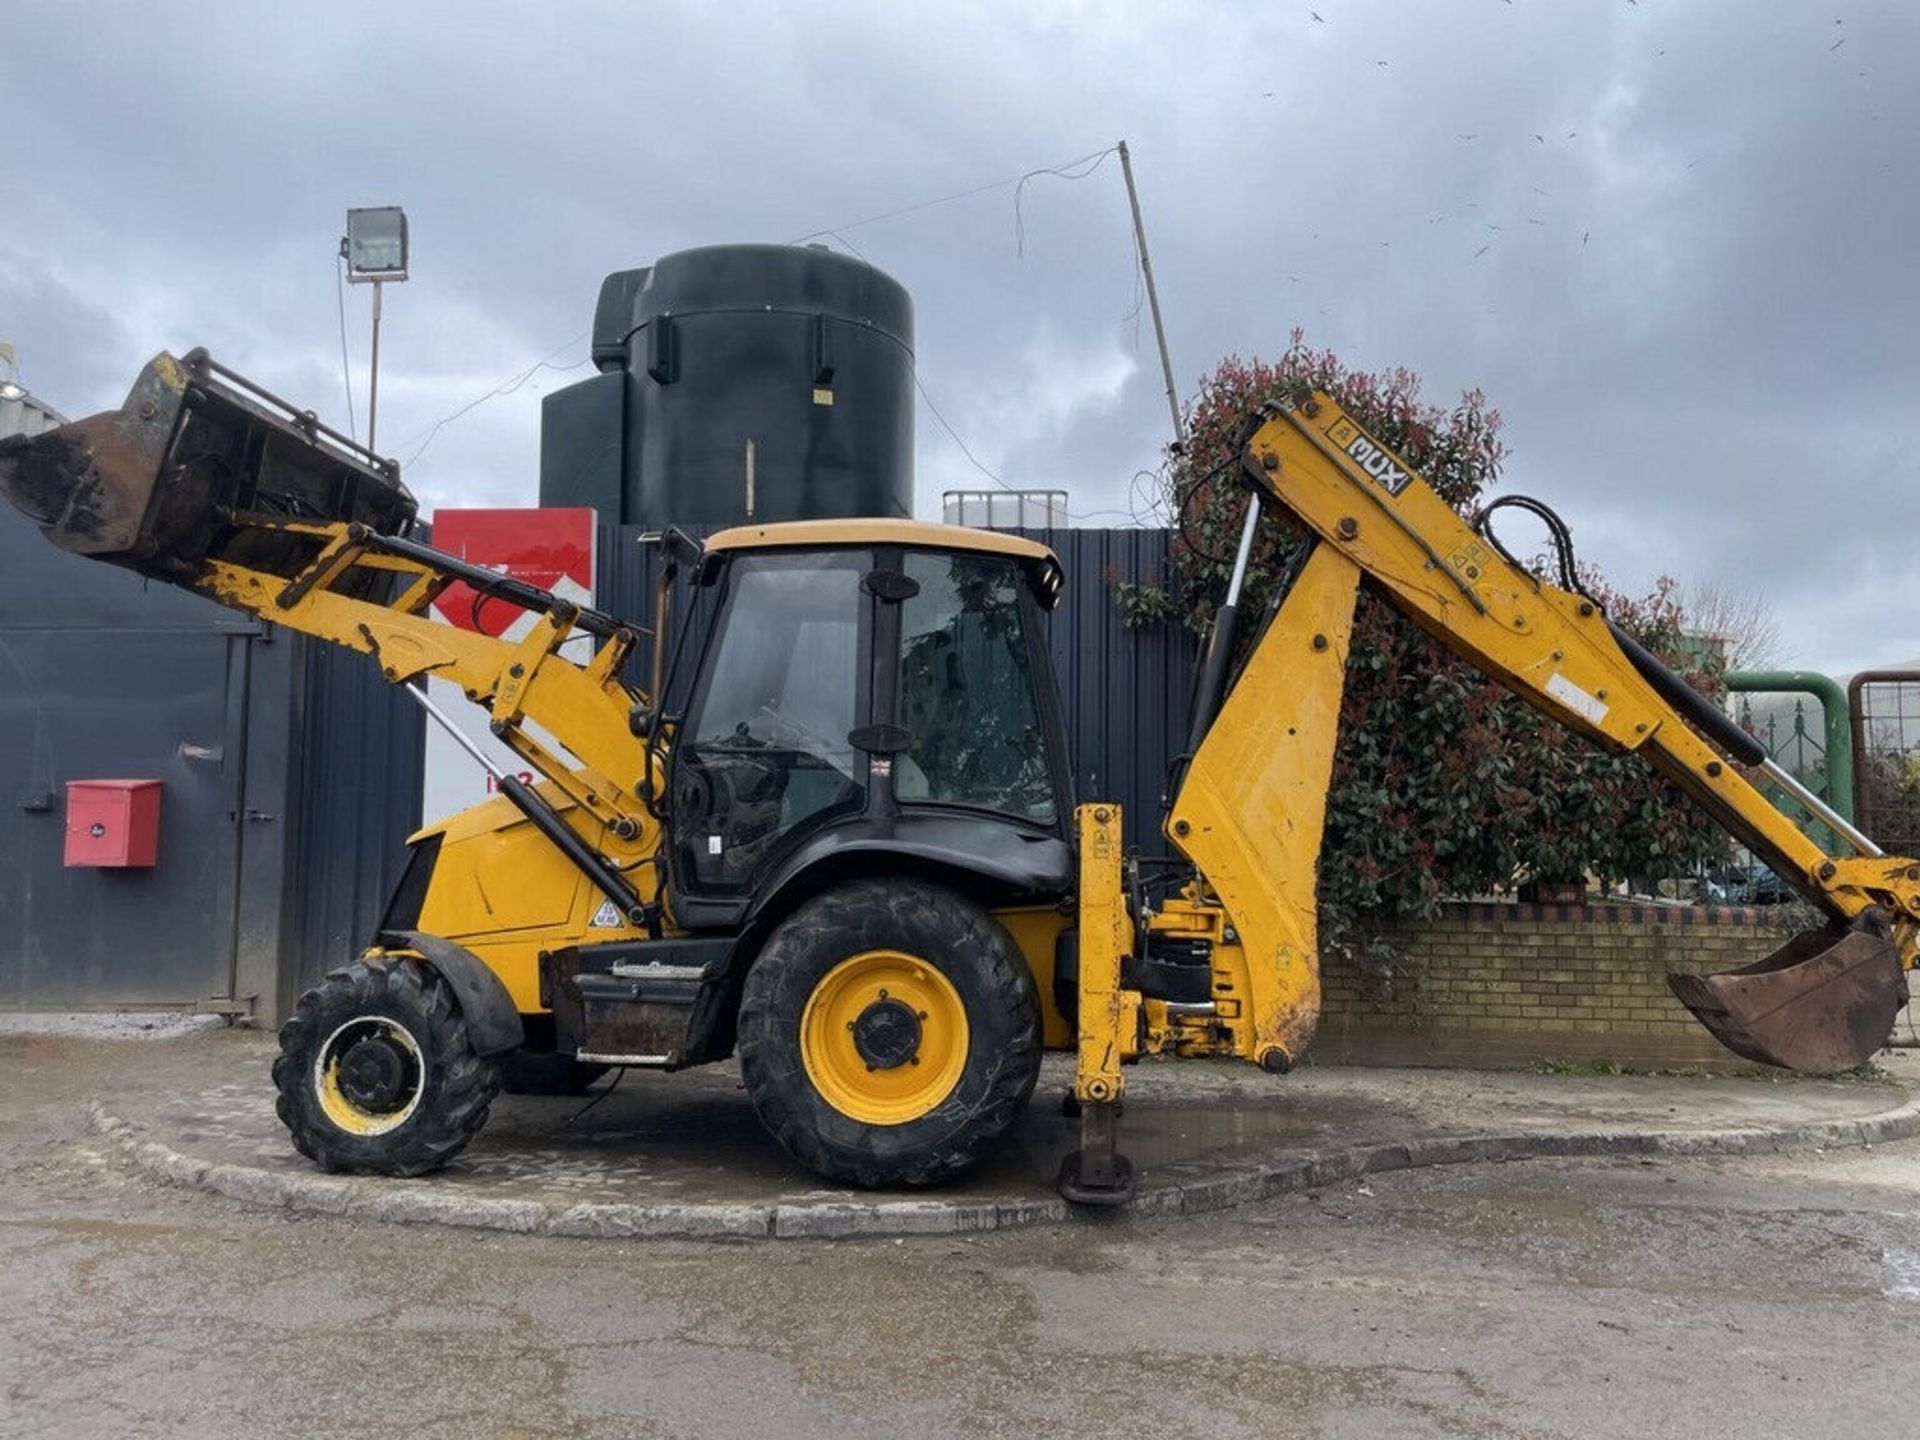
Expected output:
(685, 1156)
(1647, 1296)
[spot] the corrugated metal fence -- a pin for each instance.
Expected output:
(356, 780)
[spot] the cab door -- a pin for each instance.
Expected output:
(762, 758)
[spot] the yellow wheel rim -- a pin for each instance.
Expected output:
(884, 1037)
(379, 1108)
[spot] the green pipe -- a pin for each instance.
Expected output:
(1833, 704)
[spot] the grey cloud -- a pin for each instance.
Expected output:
(1703, 349)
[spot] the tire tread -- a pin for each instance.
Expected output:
(460, 1084)
(875, 914)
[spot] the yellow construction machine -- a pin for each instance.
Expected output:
(852, 855)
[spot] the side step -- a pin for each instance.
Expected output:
(630, 1019)
(1819, 1003)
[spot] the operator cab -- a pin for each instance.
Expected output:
(870, 688)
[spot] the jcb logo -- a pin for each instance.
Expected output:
(1370, 457)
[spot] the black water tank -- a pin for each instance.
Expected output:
(740, 382)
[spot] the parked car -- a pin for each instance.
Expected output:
(1744, 885)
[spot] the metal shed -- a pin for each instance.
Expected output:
(289, 776)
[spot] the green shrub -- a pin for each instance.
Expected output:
(1443, 783)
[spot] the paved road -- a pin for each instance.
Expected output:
(1756, 1297)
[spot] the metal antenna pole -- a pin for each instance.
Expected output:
(373, 381)
(1153, 294)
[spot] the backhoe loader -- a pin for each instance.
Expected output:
(851, 855)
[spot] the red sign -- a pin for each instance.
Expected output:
(552, 549)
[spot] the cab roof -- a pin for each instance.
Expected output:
(1037, 562)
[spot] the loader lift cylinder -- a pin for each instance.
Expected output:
(489, 582)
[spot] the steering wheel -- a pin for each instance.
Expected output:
(786, 733)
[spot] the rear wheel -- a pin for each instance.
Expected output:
(889, 1032)
(377, 1071)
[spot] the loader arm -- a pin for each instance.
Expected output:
(207, 481)
(1250, 808)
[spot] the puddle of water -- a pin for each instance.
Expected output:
(721, 1131)
(1150, 1136)
(1900, 1274)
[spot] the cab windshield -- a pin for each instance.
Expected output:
(766, 756)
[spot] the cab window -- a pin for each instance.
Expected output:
(967, 691)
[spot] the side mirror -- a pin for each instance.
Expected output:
(679, 549)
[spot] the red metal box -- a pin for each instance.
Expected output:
(113, 824)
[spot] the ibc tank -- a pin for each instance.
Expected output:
(740, 382)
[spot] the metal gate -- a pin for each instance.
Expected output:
(102, 677)
(1885, 705)
(91, 937)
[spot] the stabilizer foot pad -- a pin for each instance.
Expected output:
(1120, 1189)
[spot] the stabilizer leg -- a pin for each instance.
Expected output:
(1096, 1173)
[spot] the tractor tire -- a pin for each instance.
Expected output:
(889, 1033)
(377, 1072)
(538, 1072)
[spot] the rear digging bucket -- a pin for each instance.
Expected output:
(1819, 1003)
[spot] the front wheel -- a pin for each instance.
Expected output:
(377, 1071)
(889, 1032)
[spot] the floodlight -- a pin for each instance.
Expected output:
(376, 245)
(375, 251)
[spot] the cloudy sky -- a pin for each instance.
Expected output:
(1678, 244)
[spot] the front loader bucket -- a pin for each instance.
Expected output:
(199, 464)
(1819, 1003)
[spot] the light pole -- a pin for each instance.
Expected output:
(375, 249)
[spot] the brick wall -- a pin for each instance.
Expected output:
(1511, 984)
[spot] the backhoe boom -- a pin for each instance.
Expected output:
(1553, 647)
(1250, 805)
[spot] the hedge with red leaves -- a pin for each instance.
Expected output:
(1443, 783)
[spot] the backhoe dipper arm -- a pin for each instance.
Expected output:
(1552, 647)
(1251, 805)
